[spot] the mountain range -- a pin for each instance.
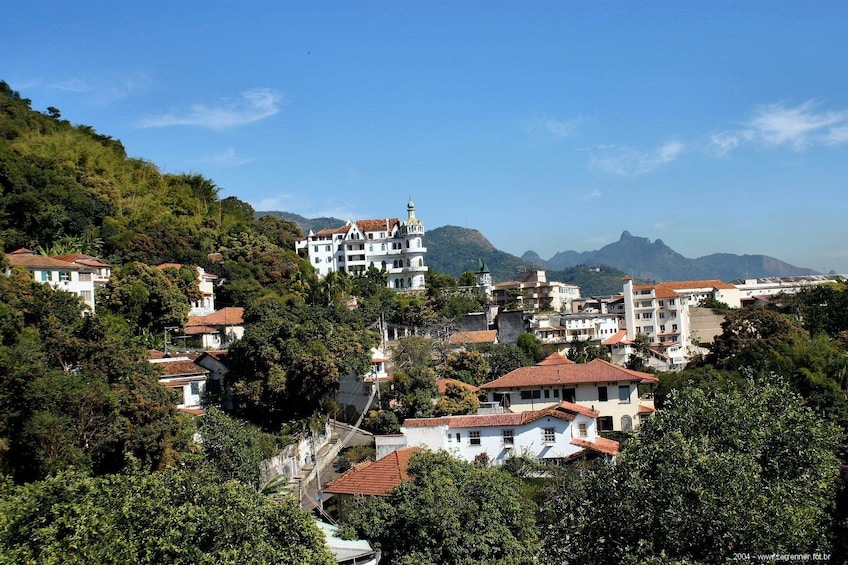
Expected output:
(454, 250)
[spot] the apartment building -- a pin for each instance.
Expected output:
(662, 313)
(387, 244)
(531, 290)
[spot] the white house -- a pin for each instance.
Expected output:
(75, 278)
(387, 244)
(183, 375)
(554, 434)
(600, 386)
(218, 329)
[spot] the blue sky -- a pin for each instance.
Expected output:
(714, 126)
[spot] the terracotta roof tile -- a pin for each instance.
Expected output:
(600, 445)
(480, 336)
(81, 258)
(232, 316)
(179, 368)
(596, 371)
(645, 409)
(170, 266)
(555, 359)
(563, 411)
(381, 224)
(619, 337)
(42, 262)
(375, 478)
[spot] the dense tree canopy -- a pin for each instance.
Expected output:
(450, 513)
(76, 391)
(288, 364)
(182, 515)
(713, 475)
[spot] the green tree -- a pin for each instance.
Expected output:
(148, 297)
(450, 513)
(185, 515)
(748, 470)
(289, 361)
(234, 447)
(465, 365)
(503, 358)
(583, 352)
(640, 353)
(457, 400)
(531, 346)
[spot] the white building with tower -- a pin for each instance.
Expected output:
(387, 244)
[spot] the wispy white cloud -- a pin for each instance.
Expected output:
(592, 195)
(626, 161)
(276, 202)
(106, 90)
(226, 158)
(553, 128)
(252, 106)
(777, 125)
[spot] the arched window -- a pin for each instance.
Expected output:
(626, 424)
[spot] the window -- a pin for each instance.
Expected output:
(508, 437)
(568, 394)
(662, 303)
(662, 314)
(327, 248)
(46, 276)
(605, 424)
(195, 388)
(648, 315)
(85, 277)
(64, 276)
(315, 248)
(530, 394)
(602, 394)
(674, 327)
(671, 301)
(582, 430)
(662, 328)
(624, 393)
(382, 247)
(626, 423)
(548, 435)
(556, 393)
(547, 393)
(458, 437)
(474, 437)
(649, 329)
(87, 296)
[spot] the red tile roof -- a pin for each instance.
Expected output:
(232, 316)
(481, 336)
(375, 478)
(180, 368)
(382, 224)
(42, 262)
(619, 337)
(600, 445)
(563, 411)
(555, 359)
(596, 371)
(170, 266)
(645, 409)
(81, 258)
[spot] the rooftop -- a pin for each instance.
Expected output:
(596, 371)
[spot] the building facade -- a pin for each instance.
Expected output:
(554, 434)
(532, 291)
(661, 312)
(387, 244)
(76, 278)
(600, 386)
